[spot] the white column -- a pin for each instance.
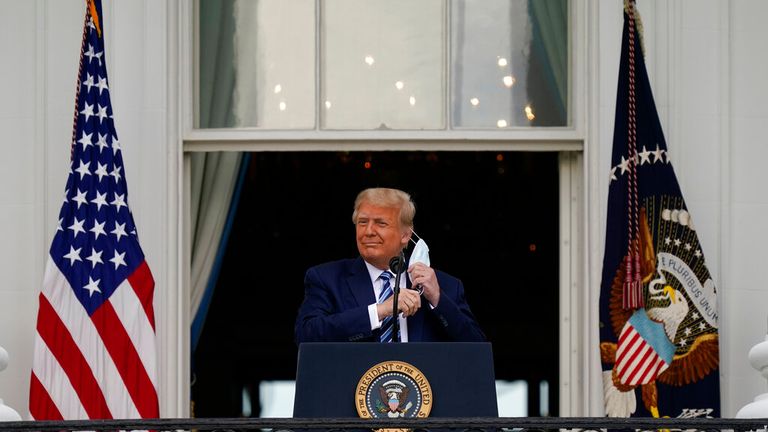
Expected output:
(6, 413)
(758, 357)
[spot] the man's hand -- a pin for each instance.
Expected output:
(425, 276)
(408, 302)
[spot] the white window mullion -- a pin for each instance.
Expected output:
(447, 61)
(319, 58)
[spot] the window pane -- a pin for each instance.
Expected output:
(509, 63)
(257, 64)
(382, 64)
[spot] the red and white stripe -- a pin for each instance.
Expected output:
(100, 366)
(636, 361)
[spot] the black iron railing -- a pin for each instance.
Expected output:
(521, 424)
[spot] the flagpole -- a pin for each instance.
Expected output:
(79, 84)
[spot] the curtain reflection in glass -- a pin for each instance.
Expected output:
(257, 63)
(509, 63)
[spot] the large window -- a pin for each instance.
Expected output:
(383, 65)
(469, 97)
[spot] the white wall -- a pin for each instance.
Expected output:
(707, 67)
(746, 302)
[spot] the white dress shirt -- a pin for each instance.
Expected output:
(378, 287)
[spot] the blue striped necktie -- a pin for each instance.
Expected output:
(386, 292)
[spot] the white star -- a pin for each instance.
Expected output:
(119, 230)
(66, 195)
(683, 342)
(100, 200)
(116, 172)
(657, 155)
(102, 85)
(58, 227)
(115, 146)
(687, 246)
(101, 113)
(85, 140)
(73, 255)
(90, 24)
(95, 257)
(613, 173)
(83, 169)
(118, 259)
(666, 154)
(687, 331)
(101, 170)
(667, 241)
(102, 142)
(93, 286)
(119, 201)
(702, 326)
(678, 242)
(645, 156)
(695, 315)
(697, 253)
(88, 81)
(624, 165)
(80, 198)
(90, 54)
(98, 228)
(87, 111)
(77, 226)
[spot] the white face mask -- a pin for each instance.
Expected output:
(420, 254)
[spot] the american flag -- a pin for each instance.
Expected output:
(643, 350)
(95, 343)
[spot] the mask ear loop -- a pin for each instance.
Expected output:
(417, 236)
(417, 288)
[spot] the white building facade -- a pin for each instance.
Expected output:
(707, 66)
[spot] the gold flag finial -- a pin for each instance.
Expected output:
(638, 21)
(94, 16)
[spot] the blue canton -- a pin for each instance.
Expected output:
(95, 245)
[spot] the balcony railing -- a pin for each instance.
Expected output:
(517, 424)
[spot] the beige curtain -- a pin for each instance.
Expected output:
(214, 176)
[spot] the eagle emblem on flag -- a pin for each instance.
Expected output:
(673, 339)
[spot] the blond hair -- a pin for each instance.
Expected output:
(385, 197)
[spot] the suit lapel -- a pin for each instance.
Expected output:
(359, 283)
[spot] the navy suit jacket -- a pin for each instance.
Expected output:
(335, 308)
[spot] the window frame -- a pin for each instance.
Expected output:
(538, 138)
(576, 381)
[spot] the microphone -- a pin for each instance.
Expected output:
(397, 265)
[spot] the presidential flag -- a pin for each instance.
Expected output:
(95, 342)
(658, 303)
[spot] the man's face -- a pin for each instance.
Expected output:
(380, 236)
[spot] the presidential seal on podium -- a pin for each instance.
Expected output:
(393, 389)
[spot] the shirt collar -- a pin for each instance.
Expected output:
(373, 271)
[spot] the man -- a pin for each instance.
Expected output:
(347, 300)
